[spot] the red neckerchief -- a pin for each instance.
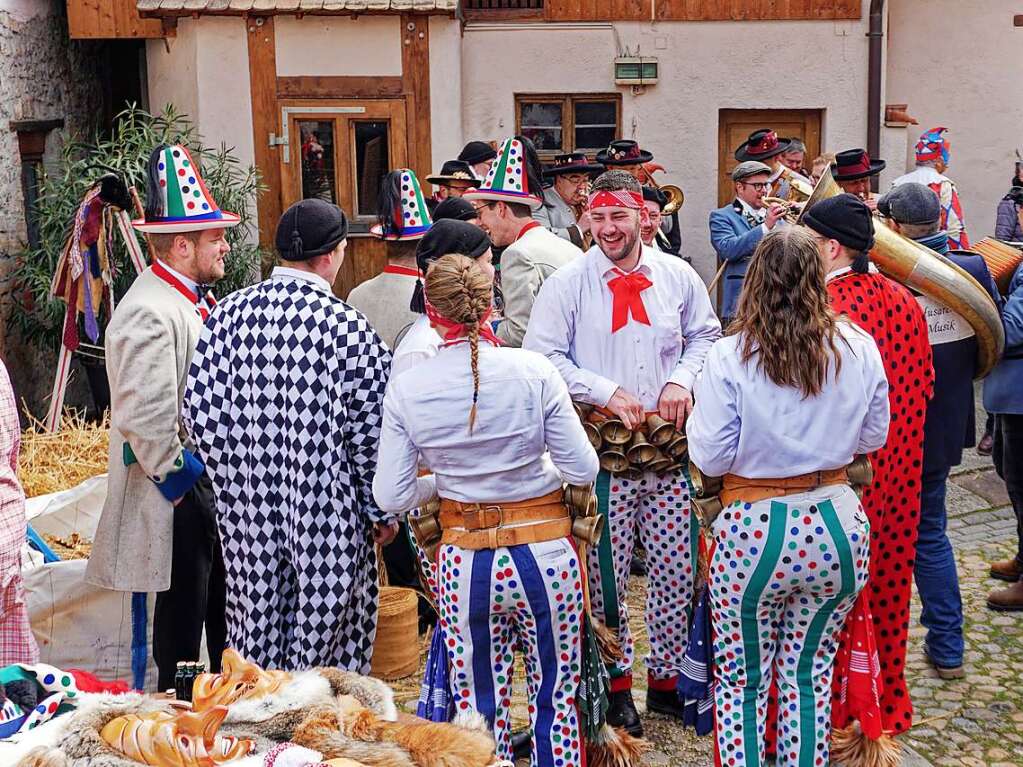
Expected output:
(403, 270)
(531, 225)
(210, 301)
(455, 332)
(626, 290)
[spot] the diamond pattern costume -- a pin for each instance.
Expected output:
(283, 402)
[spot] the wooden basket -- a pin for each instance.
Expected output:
(396, 649)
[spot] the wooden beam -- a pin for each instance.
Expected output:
(109, 19)
(415, 73)
(263, 87)
(339, 87)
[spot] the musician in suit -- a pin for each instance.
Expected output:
(571, 174)
(914, 211)
(853, 169)
(763, 145)
(737, 228)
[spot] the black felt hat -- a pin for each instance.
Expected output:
(762, 144)
(572, 162)
(454, 170)
(853, 164)
(655, 195)
(845, 218)
(310, 228)
(623, 152)
(476, 152)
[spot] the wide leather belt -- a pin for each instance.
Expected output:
(747, 490)
(493, 525)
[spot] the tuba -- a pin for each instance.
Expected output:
(676, 197)
(930, 273)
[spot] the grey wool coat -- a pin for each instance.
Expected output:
(149, 345)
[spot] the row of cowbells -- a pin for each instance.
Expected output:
(655, 445)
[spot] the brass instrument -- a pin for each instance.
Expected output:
(655, 445)
(930, 273)
(676, 197)
(799, 187)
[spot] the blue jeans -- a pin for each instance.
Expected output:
(936, 576)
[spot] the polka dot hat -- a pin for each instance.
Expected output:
(507, 181)
(410, 218)
(181, 198)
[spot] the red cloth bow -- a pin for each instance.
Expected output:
(626, 289)
(456, 331)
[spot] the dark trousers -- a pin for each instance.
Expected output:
(403, 570)
(196, 595)
(1008, 459)
(936, 576)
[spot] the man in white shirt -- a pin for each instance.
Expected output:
(629, 328)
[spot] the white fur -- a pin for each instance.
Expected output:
(470, 719)
(306, 688)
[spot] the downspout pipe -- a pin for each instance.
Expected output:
(875, 58)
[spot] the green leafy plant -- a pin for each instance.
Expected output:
(125, 150)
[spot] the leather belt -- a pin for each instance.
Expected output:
(736, 488)
(493, 525)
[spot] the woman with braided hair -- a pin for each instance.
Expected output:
(497, 428)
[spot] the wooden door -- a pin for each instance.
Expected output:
(339, 150)
(735, 125)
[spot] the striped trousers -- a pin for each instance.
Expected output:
(529, 598)
(784, 575)
(656, 509)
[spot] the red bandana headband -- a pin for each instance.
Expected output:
(619, 198)
(456, 331)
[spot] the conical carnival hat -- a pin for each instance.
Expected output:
(403, 214)
(178, 198)
(507, 180)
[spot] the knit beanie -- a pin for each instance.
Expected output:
(845, 218)
(454, 208)
(445, 237)
(310, 228)
(910, 203)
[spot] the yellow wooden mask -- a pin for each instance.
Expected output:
(238, 680)
(164, 739)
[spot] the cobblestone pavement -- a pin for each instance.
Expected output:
(973, 722)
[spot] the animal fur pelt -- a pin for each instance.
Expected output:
(317, 687)
(614, 748)
(43, 756)
(851, 748)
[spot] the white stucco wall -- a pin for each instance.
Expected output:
(704, 67)
(324, 45)
(445, 89)
(206, 75)
(959, 63)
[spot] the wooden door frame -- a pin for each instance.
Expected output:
(267, 90)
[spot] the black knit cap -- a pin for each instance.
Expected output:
(845, 218)
(476, 152)
(454, 208)
(310, 228)
(652, 194)
(445, 237)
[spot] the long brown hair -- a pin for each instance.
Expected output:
(783, 314)
(459, 289)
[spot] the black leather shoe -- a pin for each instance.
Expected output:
(522, 744)
(664, 702)
(622, 713)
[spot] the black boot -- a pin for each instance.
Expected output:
(664, 702)
(522, 744)
(622, 713)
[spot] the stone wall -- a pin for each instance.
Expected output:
(45, 76)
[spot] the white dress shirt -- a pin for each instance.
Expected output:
(300, 274)
(571, 326)
(188, 282)
(419, 344)
(745, 424)
(526, 441)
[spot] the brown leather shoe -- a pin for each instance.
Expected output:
(986, 446)
(1006, 570)
(1009, 599)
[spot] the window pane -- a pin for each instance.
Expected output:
(595, 113)
(594, 138)
(541, 123)
(371, 163)
(318, 173)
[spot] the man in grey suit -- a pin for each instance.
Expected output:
(572, 174)
(737, 228)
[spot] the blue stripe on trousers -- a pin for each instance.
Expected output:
(536, 594)
(479, 630)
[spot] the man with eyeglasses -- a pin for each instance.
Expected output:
(564, 203)
(737, 228)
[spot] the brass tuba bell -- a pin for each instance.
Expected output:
(676, 199)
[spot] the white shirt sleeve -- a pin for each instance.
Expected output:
(874, 432)
(550, 333)
(569, 448)
(700, 328)
(713, 427)
(396, 484)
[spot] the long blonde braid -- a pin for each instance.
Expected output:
(462, 292)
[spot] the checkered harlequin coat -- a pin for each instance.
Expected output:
(284, 404)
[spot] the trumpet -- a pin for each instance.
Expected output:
(792, 208)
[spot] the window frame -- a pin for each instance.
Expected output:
(568, 103)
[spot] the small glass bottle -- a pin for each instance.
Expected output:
(179, 681)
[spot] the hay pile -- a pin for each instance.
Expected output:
(49, 463)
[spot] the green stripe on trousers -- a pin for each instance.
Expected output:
(605, 556)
